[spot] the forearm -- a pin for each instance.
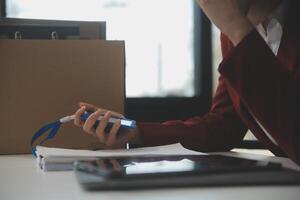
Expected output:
(268, 89)
(229, 17)
(217, 131)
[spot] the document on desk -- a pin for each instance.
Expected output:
(58, 159)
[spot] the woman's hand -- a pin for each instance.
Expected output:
(230, 16)
(110, 139)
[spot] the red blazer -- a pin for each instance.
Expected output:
(252, 77)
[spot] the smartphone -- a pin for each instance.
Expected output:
(125, 123)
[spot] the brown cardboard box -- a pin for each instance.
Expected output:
(42, 81)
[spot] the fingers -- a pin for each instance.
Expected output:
(92, 108)
(100, 130)
(116, 164)
(88, 126)
(108, 163)
(89, 107)
(77, 120)
(117, 115)
(111, 139)
(112, 136)
(91, 120)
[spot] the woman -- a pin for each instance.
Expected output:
(258, 88)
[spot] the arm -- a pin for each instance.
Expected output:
(220, 129)
(268, 89)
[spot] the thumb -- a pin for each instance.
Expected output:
(89, 107)
(92, 108)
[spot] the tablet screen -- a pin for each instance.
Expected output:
(163, 166)
(168, 165)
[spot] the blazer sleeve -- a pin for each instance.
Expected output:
(219, 130)
(268, 89)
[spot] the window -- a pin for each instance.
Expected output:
(217, 54)
(163, 48)
(159, 40)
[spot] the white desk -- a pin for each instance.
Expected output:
(20, 179)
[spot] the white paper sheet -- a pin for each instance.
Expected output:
(51, 159)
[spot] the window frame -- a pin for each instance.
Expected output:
(2, 8)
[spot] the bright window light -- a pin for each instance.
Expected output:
(159, 36)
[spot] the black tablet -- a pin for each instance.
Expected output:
(179, 171)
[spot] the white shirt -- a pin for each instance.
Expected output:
(272, 36)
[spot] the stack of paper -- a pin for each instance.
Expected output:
(58, 159)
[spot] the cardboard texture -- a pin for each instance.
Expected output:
(42, 81)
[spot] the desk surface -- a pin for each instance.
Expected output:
(21, 179)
